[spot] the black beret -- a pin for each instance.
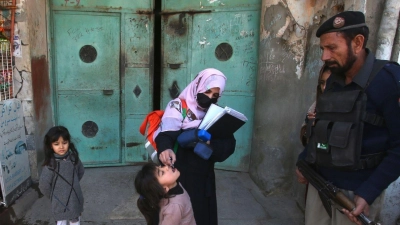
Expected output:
(342, 21)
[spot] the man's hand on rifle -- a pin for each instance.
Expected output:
(361, 207)
(300, 178)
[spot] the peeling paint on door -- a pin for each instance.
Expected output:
(103, 76)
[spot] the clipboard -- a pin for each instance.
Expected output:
(222, 122)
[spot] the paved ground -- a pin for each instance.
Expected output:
(110, 199)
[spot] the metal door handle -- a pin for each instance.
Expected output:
(108, 92)
(174, 66)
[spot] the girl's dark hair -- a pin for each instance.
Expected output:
(52, 136)
(150, 193)
(324, 68)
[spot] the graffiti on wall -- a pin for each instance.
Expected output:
(313, 61)
(14, 160)
(283, 40)
(228, 37)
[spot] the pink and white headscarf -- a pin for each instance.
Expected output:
(172, 118)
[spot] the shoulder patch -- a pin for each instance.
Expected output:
(177, 105)
(191, 116)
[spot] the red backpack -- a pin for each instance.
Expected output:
(153, 119)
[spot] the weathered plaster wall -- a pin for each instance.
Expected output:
(288, 67)
(41, 94)
(23, 81)
(373, 19)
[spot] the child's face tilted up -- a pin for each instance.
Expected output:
(167, 176)
(60, 147)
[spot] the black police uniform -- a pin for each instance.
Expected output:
(380, 97)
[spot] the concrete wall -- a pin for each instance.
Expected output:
(23, 81)
(288, 69)
(36, 37)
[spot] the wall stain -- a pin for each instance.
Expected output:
(177, 25)
(41, 86)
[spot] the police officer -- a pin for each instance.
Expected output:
(355, 137)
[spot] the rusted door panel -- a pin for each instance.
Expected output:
(175, 50)
(137, 82)
(122, 84)
(177, 80)
(138, 40)
(138, 102)
(86, 47)
(229, 41)
(226, 40)
(215, 5)
(103, 5)
(90, 120)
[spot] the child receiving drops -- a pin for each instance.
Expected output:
(162, 199)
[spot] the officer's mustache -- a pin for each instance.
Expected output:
(331, 63)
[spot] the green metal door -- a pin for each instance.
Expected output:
(102, 76)
(102, 68)
(218, 34)
(88, 84)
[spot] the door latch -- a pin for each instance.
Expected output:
(108, 92)
(174, 66)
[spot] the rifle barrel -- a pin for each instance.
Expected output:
(330, 191)
(366, 221)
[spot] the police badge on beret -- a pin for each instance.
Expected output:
(342, 21)
(338, 22)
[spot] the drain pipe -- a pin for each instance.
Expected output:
(387, 29)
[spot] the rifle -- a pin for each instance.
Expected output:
(328, 192)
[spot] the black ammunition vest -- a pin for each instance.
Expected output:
(335, 135)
